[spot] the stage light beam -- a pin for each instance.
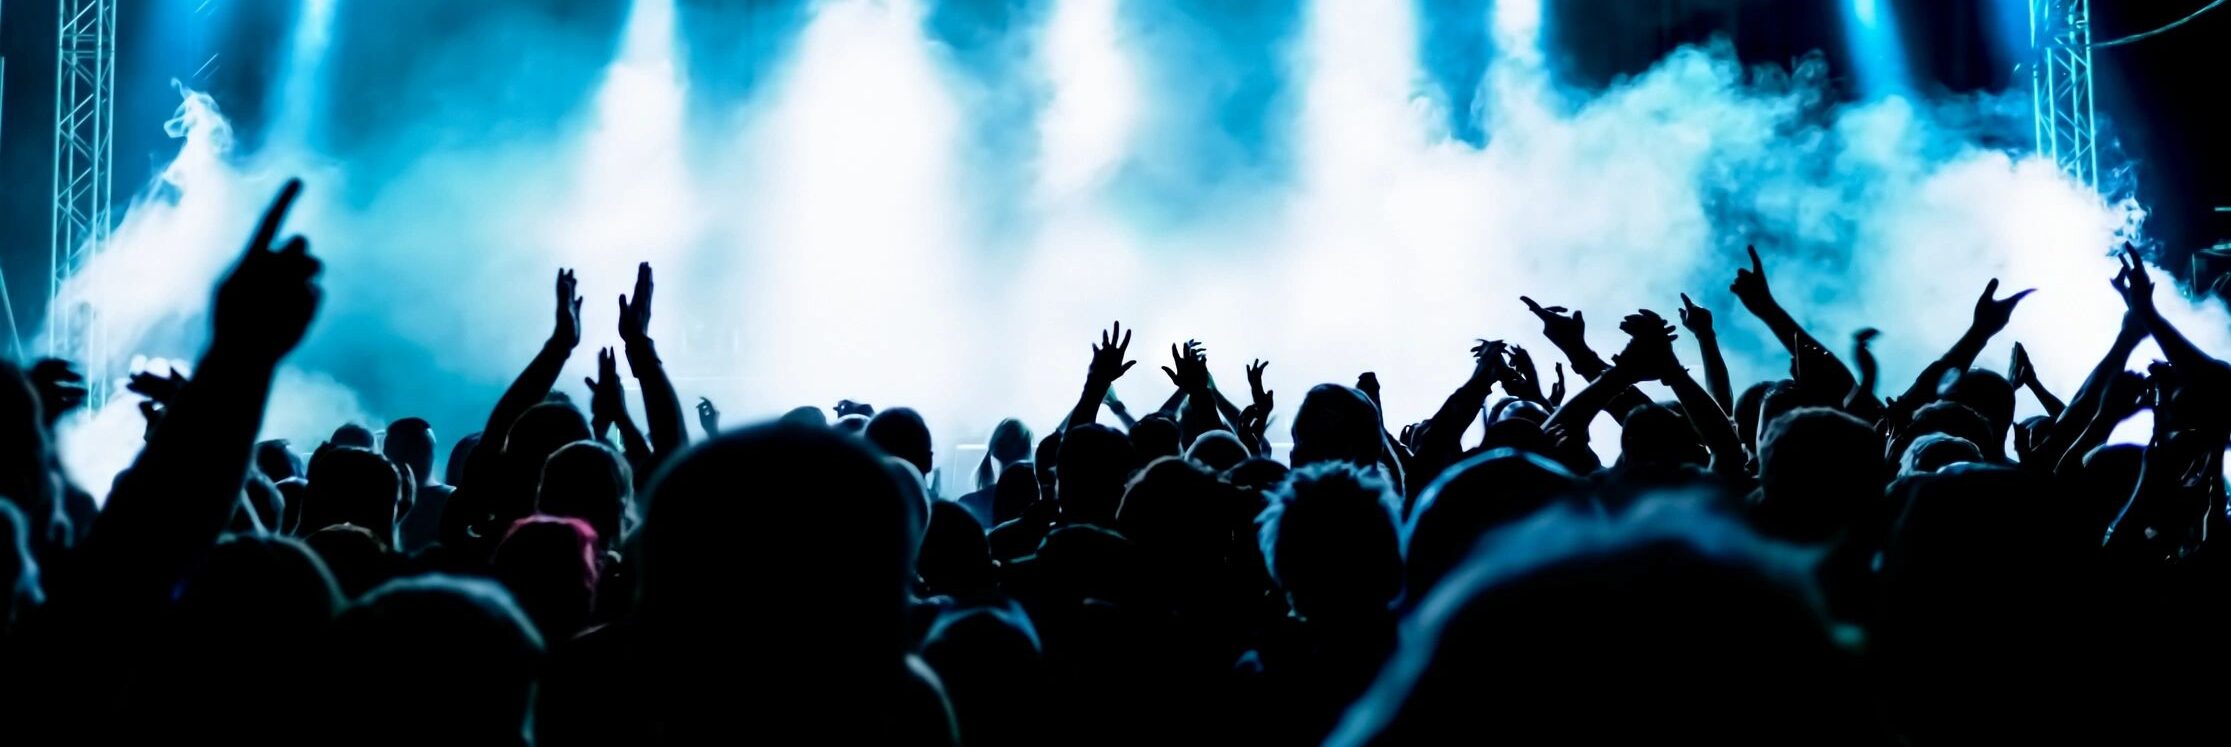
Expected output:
(1878, 53)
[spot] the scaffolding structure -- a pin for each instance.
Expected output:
(2061, 86)
(84, 128)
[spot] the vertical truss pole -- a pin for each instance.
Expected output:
(2061, 86)
(84, 114)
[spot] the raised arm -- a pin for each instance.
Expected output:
(1443, 439)
(1706, 415)
(1107, 366)
(1991, 316)
(1698, 320)
(1829, 375)
(2068, 429)
(2024, 375)
(1121, 412)
(1568, 333)
(608, 408)
(182, 490)
(1188, 370)
(534, 383)
(2137, 289)
(662, 407)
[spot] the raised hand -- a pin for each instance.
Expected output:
(1649, 352)
(1562, 330)
(160, 389)
(264, 306)
(2133, 283)
(1190, 372)
(708, 416)
(2019, 371)
(1254, 425)
(1750, 285)
(1520, 378)
(1557, 391)
(606, 402)
(1992, 314)
(565, 331)
(1258, 395)
(1107, 357)
(1368, 383)
(1696, 319)
(60, 387)
(1487, 361)
(635, 315)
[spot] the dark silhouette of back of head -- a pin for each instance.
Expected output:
(1515, 433)
(1259, 474)
(1329, 540)
(1154, 437)
(410, 443)
(589, 481)
(1513, 408)
(1820, 470)
(357, 559)
(1217, 451)
(955, 559)
(541, 431)
(453, 472)
(1988, 394)
(988, 659)
(900, 432)
(1174, 510)
(436, 659)
(551, 564)
(1654, 435)
(1561, 604)
(1477, 495)
(354, 486)
(806, 415)
(352, 436)
(1095, 462)
(837, 650)
(1981, 578)
(1010, 441)
(1935, 451)
(1953, 419)
(1337, 424)
(245, 632)
(276, 460)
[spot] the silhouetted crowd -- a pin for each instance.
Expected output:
(1795, 562)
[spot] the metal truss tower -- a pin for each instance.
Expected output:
(84, 114)
(2061, 86)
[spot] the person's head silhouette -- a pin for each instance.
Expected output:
(443, 658)
(589, 481)
(900, 432)
(1329, 540)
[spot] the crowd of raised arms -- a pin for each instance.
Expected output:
(1796, 562)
